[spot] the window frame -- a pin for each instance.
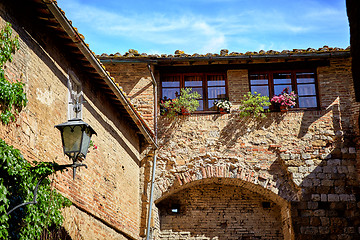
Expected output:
(204, 87)
(294, 84)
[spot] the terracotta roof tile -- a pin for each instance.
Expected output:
(224, 53)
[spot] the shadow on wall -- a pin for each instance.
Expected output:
(239, 127)
(309, 117)
(166, 128)
(320, 174)
(55, 233)
(219, 209)
(326, 176)
(112, 131)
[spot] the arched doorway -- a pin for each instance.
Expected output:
(230, 210)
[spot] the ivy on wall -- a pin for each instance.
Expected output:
(18, 178)
(12, 95)
(17, 183)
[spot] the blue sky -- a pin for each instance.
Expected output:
(207, 26)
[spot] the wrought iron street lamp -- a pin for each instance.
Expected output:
(76, 135)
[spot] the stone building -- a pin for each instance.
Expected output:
(54, 61)
(292, 175)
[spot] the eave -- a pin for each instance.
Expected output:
(50, 15)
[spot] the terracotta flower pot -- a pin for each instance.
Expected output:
(224, 110)
(184, 111)
(283, 108)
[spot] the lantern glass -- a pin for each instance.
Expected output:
(76, 136)
(86, 137)
(72, 139)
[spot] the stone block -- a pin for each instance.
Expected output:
(352, 198)
(303, 169)
(351, 169)
(327, 183)
(330, 169)
(285, 156)
(319, 213)
(316, 182)
(333, 162)
(306, 156)
(324, 197)
(324, 230)
(352, 150)
(325, 156)
(309, 230)
(293, 169)
(342, 169)
(307, 183)
(313, 205)
(315, 197)
(344, 150)
(333, 198)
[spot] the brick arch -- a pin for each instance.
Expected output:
(280, 187)
(249, 184)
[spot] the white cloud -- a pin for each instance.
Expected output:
(197, 32)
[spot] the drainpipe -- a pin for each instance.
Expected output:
(154, 161)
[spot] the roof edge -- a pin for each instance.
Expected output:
(156, 60)
(89, 55)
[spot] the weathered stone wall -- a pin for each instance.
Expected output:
(107, 193)
(302, 158)
(307, 158)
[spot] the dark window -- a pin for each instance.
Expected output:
(210, 86)
(266, 205)
(303, 83)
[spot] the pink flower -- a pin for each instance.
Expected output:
(285, 98)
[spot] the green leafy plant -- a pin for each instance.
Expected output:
(253, 105)
(12, 95)
(184, 104)
(17, 183)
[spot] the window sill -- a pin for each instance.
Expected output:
(271, 111)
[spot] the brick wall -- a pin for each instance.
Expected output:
(135, 79)
(238, 85)
(302, 161)
(306, 157)
(214, 210)
(105, 195)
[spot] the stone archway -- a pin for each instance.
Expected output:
(224, 208)
(274, 178)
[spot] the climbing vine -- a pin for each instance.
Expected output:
(12, 95)
(18, 178)
(17, 183)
